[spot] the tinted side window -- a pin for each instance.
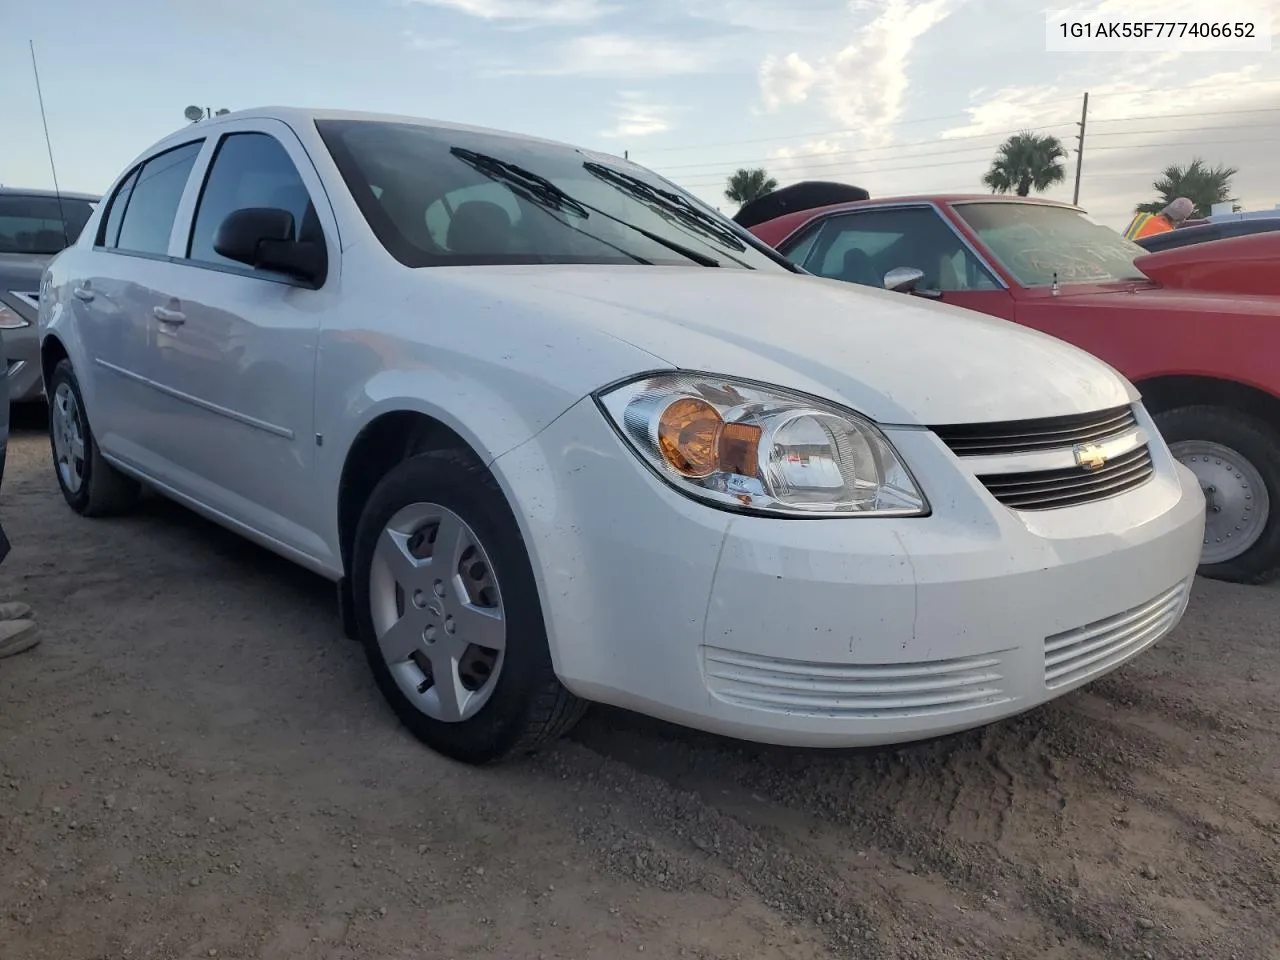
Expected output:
(148, 219)
(250, 170)
(109, 231)
(798, 250)
(862, 247)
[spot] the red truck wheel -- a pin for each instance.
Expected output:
(1236, 458)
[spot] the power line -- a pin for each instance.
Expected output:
(1216, 143)
(968, 114)
(1181, 116)
(864, 150)
(831, 133)
(696, 169)
(814, 161)
(1177, 130)
(855, 168)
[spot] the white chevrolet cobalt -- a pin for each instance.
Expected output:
(561, 433)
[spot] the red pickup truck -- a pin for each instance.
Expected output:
(1196, 329)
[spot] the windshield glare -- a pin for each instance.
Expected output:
(1035, 242)
(439, 197)
(35, 224)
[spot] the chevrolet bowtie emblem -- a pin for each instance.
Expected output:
(1091, 456)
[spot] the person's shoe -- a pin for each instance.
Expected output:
(17, 636)
(15, 611)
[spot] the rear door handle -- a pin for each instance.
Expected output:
(83, 293)
(165, 315)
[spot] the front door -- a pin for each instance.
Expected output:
(861, 246)
(235, 347)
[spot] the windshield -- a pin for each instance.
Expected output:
(1035, 242)
(440, 197)
(35, 224)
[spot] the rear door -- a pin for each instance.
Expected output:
(114, 288)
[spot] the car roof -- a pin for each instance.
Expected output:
(297, 117)
(942, 199)
(787, 224)
(65, 194)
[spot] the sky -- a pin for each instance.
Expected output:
(896, 96)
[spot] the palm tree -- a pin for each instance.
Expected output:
(1202, 185)
(1026, 162)
(747, 185)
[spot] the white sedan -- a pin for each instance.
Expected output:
(561, 433)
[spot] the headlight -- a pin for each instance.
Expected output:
(9, 319)
(761, 449)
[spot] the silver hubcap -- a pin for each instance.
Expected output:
(68, 437)
(437, 611)
(1237, 504)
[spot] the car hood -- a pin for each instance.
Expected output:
(895, 358)
(1143, 297)
(1230, 265)
(20, 274)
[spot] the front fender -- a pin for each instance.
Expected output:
(489, 420)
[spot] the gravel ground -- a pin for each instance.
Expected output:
(195, 763)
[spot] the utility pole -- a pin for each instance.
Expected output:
(1084, 117)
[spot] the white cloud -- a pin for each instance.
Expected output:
(869, 79)
(542, 11)
(770, 17)
(620, 56)
(798, 161)
(637, 117)
(785, 80)
(864, 85)
(418, 41)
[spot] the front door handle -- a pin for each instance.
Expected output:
(83, 293)
(165, 315)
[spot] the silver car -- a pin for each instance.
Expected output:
(34, 226)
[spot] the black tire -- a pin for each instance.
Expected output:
(1255, 441)
(103, 490)
(529, 707)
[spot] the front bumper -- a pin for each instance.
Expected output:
(26, 382)
(840, 632)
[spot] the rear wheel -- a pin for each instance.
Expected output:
(91, 486)
(1236, 458)
(448, 611)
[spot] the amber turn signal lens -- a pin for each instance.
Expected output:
(739, 449)
(696, 441)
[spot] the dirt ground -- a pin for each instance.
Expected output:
(195, 763)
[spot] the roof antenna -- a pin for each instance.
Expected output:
(66, 239)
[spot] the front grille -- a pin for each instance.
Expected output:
(1053, 489)
(1087, 651)
(1027, 436)
(864, 691)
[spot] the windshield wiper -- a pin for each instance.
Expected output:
(539, 190)
(668, 204)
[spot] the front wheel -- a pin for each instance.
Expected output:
(448, 611)
(1236, 458)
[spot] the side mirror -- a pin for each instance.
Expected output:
(903, 279)
(263, 238)
(907, 280)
